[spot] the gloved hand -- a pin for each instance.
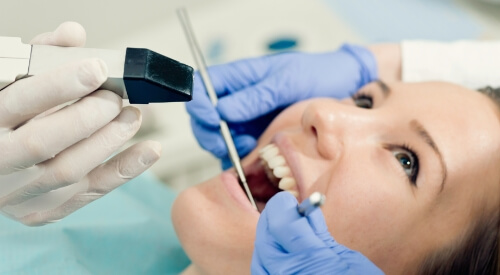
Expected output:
(252, 91)
(52, 157)
(288, 243)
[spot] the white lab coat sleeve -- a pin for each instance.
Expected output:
(473, 64)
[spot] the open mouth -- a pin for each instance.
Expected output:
(268, 175)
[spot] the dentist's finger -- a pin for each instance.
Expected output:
(201, 108)
(290, 229)
(26, 98)
(71, 165)
(226, 79)
(103, 179)
(43, 138)
(235, 76)
(318, 224)
(264, 97)
(68, 34)
(209, 139)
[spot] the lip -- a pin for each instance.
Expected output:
(235, 191)
(287, 150)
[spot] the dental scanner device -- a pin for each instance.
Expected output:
(224, 129)
(140, 75)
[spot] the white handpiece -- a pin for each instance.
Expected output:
(140, 75)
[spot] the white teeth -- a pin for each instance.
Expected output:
(287, 183)
(281, 171)
(276, 164)
(276, 161)
(269, 153)
(267, 147)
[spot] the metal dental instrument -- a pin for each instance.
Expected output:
(314, 201)
(224, 129)
(139, 75)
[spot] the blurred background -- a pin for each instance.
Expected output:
(233, 29)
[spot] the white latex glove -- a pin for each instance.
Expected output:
(51, 157)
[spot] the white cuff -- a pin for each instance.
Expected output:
(473, 64)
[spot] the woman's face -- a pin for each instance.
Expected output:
(405, 168)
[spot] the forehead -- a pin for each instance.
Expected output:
(437, 104)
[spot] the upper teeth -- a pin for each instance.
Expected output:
(271, 157)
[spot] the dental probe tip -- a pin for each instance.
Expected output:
(244, 184)
(315, 200)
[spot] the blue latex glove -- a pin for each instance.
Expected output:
(252, 91)
(288, 243)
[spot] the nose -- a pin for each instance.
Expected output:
(331, 124)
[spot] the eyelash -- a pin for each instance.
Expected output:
(362, 96)
(412, 177)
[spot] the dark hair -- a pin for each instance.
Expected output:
(477, 250)
(493, 93)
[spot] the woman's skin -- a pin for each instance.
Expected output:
(362, 159)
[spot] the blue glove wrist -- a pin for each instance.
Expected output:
(367, 62)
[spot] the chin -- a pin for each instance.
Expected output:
(215, 232)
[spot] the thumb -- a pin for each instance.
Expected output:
(318, 224)
(68, 34)
(356, 262)
(291, 230)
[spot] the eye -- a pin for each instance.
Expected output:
(363, 101)
(409, 162)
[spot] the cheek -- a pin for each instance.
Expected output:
(366, 208)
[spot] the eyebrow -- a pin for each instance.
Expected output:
(385, 89)
(419, 129)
